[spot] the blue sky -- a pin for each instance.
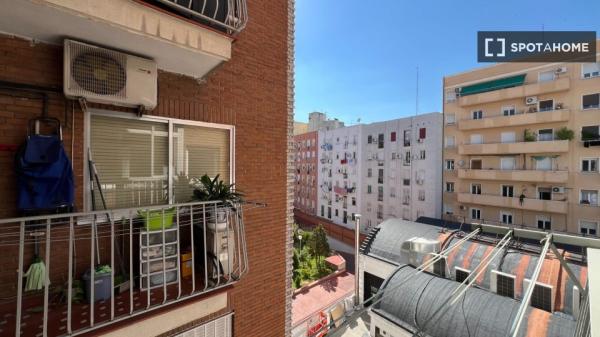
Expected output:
(358, 59)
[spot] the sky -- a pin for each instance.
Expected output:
(358, 59)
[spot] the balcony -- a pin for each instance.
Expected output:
(515, 175)
(190, 250)
(533, 89)
(501, 121)
(189, 40)
(554, 146)
(550, 206)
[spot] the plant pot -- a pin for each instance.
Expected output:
(154, 220)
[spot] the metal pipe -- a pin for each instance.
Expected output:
(356, 262)
(92, 271)
(70, 279)
(47, 279)
(178, 253)
(131, 264)
(164, 261)
(514, 330)
(204, 247)
(20, 280)
(112, 268)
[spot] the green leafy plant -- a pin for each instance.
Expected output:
(565, 133)
(207, 189)
(529, 136)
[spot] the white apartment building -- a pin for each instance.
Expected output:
(402, 176)
(319, 121)
(339, 172)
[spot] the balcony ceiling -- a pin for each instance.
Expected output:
(177, 45)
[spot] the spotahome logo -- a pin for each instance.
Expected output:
(554, 46)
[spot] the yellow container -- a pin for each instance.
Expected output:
(186, 264)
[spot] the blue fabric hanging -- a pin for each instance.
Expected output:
(44, 175)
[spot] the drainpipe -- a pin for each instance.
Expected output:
(356, 255)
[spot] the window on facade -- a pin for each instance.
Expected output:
(336, 212)
(421, 195)
(422, 154)
(450, 142)
(544, 222)
(507, 163)
(589, 197)
(476, 139)
(476, 164)
(545, 135)
(380, 141)
(508, 110)
(546, 105)
(591, 132)
(547, 76)
(380, 193)
(450, 96)
(543, 163)
(506, 218)
(353, 201)
(450, 187)
(369, 139)
(475, 188)
(345, 217)
(406, 182)
(407, 137)
(369, 172)
(449, 164)
(138, 174)
(329, 212)
(591, 101)
(450, 119)
(589, 70)
(460, 274)
(588, 227)
(407, 158)
(422, 133)
(544, 193)
(477, 114)
(369, 189)
(448, 209)
(589, 165)
(475, 213)
(393, 136)
(507, 191)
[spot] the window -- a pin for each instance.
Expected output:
(546, 105)
(589, 197)
(450, 141)
(589, 165)
(393, 136)
(322, 210)
(591, 101)
(475, 214)
(406, 182)
(369, 139)
(507, 163)
(547, 76)
(589, 70)
(450, 96)
(507, 191)
(336, 212)
(329, 212)
(450, 187)
(407, 137)
(421, 195)
(407, 158)
(475, 188)
(422, 154)
(543, 163)
(448, 209)
(506, 218)
(542, 295)
(545, 135)
(544, 193)
(392, 192)
(588, 227)
(461, 274)
(380, 141)
(369, 172)
(422, 133)
(508, 110)
(369, 189)
(449, 164)
(476, 164)
(477, 114)
(380, 176)
(353, 201)
(138, 174)
(507, 137)
(476, 139)
(503, 284)
(450, 119)
(345, 217)
(591, 132)
(544, 222)
(380, 193)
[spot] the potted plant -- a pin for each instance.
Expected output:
(207, 189)
(529, 136)
(565, 134)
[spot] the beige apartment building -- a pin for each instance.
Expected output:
(522, 144)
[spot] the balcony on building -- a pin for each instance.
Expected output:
(539, 176)
(509, 88)
(522, 117)
(189, 37)
(551, 146)
(538, 205)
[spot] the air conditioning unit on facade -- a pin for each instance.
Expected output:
(462, 207)
(109, 77)
(558, 189)
(420, 140)
(531, 100)
(561, 70)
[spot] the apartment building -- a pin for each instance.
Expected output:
(149, 96)
(319, 121)
(398, 178)
(521, 146)
(306, 172)
(339, 174)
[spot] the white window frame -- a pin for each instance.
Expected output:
(539, 168)
(480, 188)
(588, 94)
(538, 134)
(447, 143)
(471, 213)
(508, 108)
(477, 114)
(546, 72)
(545, 100)
(450, 96)
(590, 205)
(157, 119)
(514, 137)
(591, 221)
(514, 162)
(589, 159)
(449, 163)
(543, 218)
(591, 73)
(449, 183)
(450, 119)
(494, 281)
(505, 213)
(502, 191)
(477, 137)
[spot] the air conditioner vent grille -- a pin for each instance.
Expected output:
(98, 71)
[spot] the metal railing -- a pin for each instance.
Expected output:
(231, 15)
(212, 233)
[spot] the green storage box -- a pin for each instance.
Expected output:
(154, 219)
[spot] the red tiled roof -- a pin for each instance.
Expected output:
(335, 260)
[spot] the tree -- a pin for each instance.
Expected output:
(318, 243)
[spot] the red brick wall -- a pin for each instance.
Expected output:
(250, 91)
(306, 171)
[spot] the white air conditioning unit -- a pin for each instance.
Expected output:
(461, 163)
(462, 207)
(109, 77)
(558, 189)
(420, 140)
(531, 100)
(561, 70)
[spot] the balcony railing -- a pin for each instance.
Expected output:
(541, 205)
(552, 146)
(231, 15)
(520, 118)
(151, 257)
(515, 175)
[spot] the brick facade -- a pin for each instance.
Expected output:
(306, 174)
(253, 91)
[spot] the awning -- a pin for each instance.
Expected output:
(507, 82)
